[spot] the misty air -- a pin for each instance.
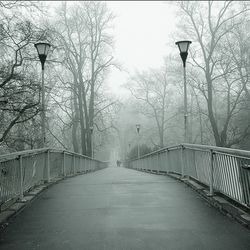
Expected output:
(124, 125)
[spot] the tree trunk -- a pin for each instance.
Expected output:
(84, 111)
(161, 137)
(82, 125)
(20, 145)
(210, 111)
(75, 120)
(91, 102)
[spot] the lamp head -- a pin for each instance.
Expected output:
(183, 48)
(91, 129)
(42, 50)
(138, 126)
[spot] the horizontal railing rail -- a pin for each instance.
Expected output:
(223, 170)
(21, 171)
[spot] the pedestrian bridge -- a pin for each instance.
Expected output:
(120, 208)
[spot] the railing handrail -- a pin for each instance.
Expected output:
(74, 153)
(224, 170)
(23, 170)
(14, 155)
(230, 151)
(172, 147)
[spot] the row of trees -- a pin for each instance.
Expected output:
(218, 80)
(19, 89)
(81, 55)
(84, 42)
(80, 59)
(220, 65)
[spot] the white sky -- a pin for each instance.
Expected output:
(141, 33)
(141, 36)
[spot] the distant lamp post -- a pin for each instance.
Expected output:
(92, 143)
(42, 50)
(183, 48)
(138, 126)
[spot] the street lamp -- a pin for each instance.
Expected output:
(42, 50)
(138, 126)
(183, 48)
(92, 143)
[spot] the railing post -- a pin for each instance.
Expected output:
(182, 162)
(211, 181)
(74, 164)
(187, 159)
(81, 165)
(48, 165)
(167, 162)
(158, 163)
(64, 167)
(21, 177)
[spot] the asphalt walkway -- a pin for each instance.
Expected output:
(122, 209)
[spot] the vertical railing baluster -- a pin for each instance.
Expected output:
(21, 177)
(182, 162)
(74, 164)
(167, 162)
(158, 167)
(85, 166)
(48, 165)
(64, 167)
(187, 157)
(211, 181)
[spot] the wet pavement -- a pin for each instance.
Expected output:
(119, 208)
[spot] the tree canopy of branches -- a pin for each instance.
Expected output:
(19, 91)
(153, 89)
(218, 71)
(85, 43)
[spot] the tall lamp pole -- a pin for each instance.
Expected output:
(138, 126)
(42, 50)
(183, 48)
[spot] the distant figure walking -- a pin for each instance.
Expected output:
(118, 163)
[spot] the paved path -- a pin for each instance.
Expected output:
(122, 209)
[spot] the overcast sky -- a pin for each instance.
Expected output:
(141, 32)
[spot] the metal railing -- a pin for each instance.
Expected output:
(21, 171)
(223, 170)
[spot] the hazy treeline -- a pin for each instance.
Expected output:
(81, 41)
(80, 113)
(20, 91)
(218, 71)
(81, 32)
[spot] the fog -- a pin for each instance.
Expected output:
(114, 65)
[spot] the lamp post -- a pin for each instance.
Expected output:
(183, 48)
(138, 126)
(42, 50)
(92, 143)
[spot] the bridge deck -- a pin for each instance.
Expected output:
(118, 208)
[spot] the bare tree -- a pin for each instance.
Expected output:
(209, 23)
(153, 90)
(85, 42)
(19, 91)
